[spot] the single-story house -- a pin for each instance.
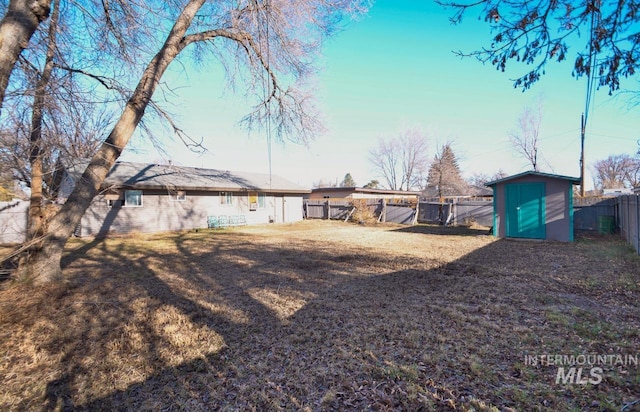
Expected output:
(138, 197)
(534, 205)
(363, 193)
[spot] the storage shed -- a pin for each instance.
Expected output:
(534, 205)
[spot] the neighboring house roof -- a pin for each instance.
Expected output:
(154, 176)
(573, 180)
(364, 190)
(617, 192)
(481, 191)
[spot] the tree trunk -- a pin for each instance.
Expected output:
(35, 228)
(36, 221)
(44, 263)
(16, 28)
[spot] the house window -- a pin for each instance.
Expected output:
(114, 202)
(226, 198)
(257, 201)
(133, 198)
(178, 195)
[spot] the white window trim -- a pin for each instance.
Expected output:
(263, 196)
(224, 197)
(124, 202)
(178, 195)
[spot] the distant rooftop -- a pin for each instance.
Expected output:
(352, 189)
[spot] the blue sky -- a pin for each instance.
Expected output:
(392, 70)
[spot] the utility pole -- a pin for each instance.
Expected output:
(582, 189)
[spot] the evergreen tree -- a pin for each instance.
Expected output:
(372, 184)
(348, 181)
(444, 176)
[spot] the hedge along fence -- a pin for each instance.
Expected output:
(361, 210)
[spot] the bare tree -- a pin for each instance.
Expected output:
(21, 20)
(272, 43)
(401, 161)
(617, 171)
(413, 146)
(526, 137)
(385, 158)
(477, 181)
(536, 33)
(444, 178)
(45, 85)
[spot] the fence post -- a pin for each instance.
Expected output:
(384, 210)
(637, 197)
(628, 220)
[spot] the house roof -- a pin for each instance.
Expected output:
(573, 180)
(154, 176)
(364, 190)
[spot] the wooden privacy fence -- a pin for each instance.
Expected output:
(457, 212)
(629, 219)
(340, 209)
(589, 212)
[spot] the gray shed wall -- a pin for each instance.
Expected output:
(557, 207)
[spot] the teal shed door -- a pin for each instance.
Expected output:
(525, 210)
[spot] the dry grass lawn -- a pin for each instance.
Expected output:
(322, 316)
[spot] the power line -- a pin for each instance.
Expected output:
(265, 81)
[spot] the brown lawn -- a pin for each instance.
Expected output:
(324, 316)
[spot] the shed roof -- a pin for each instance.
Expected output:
(154, 176)
(573, 180)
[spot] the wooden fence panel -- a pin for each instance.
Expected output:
(404, 214)
(629, 212)
(479, 211)
(429, 212)
(587, 212)
(341, 209)
(315, 209)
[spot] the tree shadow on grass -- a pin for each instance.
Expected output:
(446, 230)
(220, 321)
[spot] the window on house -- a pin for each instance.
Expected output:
(226, 198)
(133, 198)
(257, 201)
(114, 202)
(178, 195)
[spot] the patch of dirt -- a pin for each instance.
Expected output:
(322, 316)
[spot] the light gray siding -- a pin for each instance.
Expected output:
(160, 211)
(13, 221)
